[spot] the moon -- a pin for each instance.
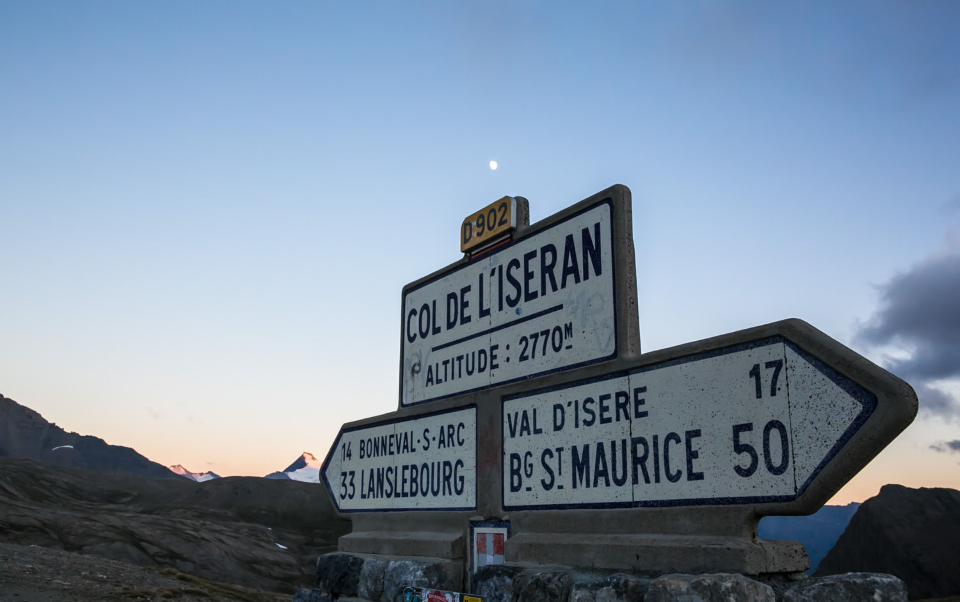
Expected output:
(493, 165)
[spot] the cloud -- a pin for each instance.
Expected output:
(920, 312)
(947, 446)
(152, 412)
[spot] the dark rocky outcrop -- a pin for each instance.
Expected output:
(913, 534)
(26, 434)
(254, 532)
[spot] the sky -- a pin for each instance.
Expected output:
(208, 210)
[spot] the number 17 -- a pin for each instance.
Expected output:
(777, 365)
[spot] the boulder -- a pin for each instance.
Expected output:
(718, 587)
(618, 587)
(371, 578)
(542, 585)
(339, 574)
(849, 587)
(494, 583)
(414, 573)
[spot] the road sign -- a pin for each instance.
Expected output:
(493, 221)
(541, 304)
(428, 462)
(751, 423)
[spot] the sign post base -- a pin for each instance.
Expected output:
(647, 553)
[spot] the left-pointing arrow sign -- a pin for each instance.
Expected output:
(428, 462)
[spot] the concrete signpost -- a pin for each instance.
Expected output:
(746, 424)
(427, 462)
(543, 304)
(529, 418)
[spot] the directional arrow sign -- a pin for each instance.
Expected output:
(751, 423)
(427, 462)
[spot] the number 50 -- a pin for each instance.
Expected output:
(745, 448)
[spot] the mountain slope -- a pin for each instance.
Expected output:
(911, 533)
(243, 530)
(817, 532)
(24, 433)
(306, 468)
(199, 477)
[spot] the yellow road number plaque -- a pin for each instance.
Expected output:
(493, 221)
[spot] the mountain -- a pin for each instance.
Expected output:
(817, 532)
(911, 533)
(194, 476)
(26, 434)
(306, 468)
(247, 531)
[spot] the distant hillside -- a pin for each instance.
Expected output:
(25, 434)
(248, 531)
(911, 533)
(199, 477)
(306, 468)
(817, 532)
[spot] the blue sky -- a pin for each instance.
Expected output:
(208, 210)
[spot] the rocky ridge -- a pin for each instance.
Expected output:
(911, 533)
(24, 433)
(249, 531)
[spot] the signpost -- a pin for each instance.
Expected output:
(746, 424)
(531, 429)
(542, 304)
(423, 463)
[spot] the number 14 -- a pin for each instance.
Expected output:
(776, 365)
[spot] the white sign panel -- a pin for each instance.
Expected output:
(424, 463)
(542, 304)
(748, 424)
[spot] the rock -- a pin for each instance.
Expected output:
(718, 587)
(541, 585)
(618, 587)
(402, 573)
(849, 587)
(911, 533)
(310, 595)
(371, 578)
(781, 582)
(494, 583)
(339, 574)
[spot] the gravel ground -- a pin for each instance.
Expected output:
(35, 574)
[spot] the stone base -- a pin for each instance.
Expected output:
(368, 578)
(382, 578)
(505, 583)
(658, 553)
(403, 543)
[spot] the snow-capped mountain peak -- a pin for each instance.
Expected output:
(306, 468)
(196, 476)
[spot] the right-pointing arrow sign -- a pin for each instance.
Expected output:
(756, 422)
(826, 409)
